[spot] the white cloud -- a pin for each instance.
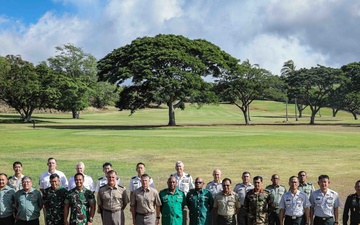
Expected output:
(265, 32)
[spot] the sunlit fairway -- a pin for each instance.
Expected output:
(206, 138)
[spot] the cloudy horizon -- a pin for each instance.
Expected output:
(267, 33)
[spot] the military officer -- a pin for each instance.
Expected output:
(257, 203)
(325, 204)
(88, 181)
(304, 186)
(241, 189)
(276, 192)
(145, 203)
(7, 199)
(112, 199)
(226, 204)
(215, 187)
(294, 205)
(172, 203)
(200, 203)
(15, 180)
(135, 181)
(53, 198)
(44, 181)
(184, 183)
(80, 202)
(28, 203)
(352, 205)
(103, 180)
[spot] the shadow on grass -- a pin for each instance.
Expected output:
(151, 127)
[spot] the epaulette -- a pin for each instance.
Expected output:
(120, 186)
(10, 177)
(209, 182)
(266, 190)
(133, 177)
(100, 178)
(188, 175)
(308, 183)
(102, 186)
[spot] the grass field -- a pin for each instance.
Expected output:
(206, 138)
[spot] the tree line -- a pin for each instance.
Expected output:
(171, 70)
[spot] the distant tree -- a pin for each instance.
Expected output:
(313, 86)
(164, 69)
(243, 85)
(76, 72)
(351, 100)
(26, 87)
(104, 94)
(288, 69)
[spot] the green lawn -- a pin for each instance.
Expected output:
(206, 138)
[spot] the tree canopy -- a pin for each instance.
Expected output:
(243, 85)
(165, 69)
(26, 87)
(314, 86)
(76, 75)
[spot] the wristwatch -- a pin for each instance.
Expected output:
(90, 219)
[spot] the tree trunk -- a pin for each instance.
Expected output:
(354, 115)
(334, 111)
(245, 111)
(171, 115)
(314, 111)
(300, 109)
(75, 114)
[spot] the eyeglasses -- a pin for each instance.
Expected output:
(198, 182)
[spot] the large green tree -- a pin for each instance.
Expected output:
(26, 87)
(76, 74)
(313, 86)
(165, 69)
(243, 85)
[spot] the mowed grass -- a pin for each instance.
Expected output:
(206, 138)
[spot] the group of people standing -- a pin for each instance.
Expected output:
(184, 202)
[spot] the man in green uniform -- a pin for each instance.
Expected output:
(28, 203)
(54, 197)
(81, 202)
(172, 203)
(7, 198)
(200, 203)
(276, 192)
(305, 187)
(257, 203)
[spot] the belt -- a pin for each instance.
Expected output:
(112, 211)
(145, 214)
(226, 216)
(323, 218)
(293, 217)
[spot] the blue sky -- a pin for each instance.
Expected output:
(267, 32)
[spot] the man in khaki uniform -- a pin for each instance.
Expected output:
(226, 204)
(112, 199)
(145, 204)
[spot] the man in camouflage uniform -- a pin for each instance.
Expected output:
(81, 202)
(54, 197)
(257, 203)
(276, 192)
